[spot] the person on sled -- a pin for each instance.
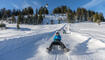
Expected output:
(57, 41)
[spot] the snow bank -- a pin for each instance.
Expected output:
(91, 37)
(94, 44)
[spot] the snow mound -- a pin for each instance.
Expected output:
(95, 44)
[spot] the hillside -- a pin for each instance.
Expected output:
(86, 42)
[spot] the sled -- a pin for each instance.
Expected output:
(58, 48)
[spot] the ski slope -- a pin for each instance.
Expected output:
(86, 42)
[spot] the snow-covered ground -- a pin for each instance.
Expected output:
(55, 19)
(26, 30)
(90, 29)
(86, 42)
(12, 39)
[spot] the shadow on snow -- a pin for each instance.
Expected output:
(21, 29)
(22, 48)
(81, 49)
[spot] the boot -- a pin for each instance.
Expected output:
(49, 49)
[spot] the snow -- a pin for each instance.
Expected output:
(12, 42)
(85, 41)
(55, 19)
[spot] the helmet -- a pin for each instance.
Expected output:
(57, 32)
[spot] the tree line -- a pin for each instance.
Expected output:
(79, 15)
(26, 15)
(35, 16)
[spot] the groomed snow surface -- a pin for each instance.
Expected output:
(86, 42)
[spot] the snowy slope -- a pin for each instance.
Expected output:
(86, 42)
(55, 19)
(90, 29)
(13, 32)
(12, 39)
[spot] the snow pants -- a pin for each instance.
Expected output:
(57, 43)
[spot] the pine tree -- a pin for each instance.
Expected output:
(13, 19)
(70, 16)
(46, 10)
(18, 27)
(40, 19)
(101, 17)
(29, 19)
(14, 12)
(60, 10)
(8, 13)
(43, 10)
(18, 22)
(30, 10)
(95, 17)
(36, 19)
